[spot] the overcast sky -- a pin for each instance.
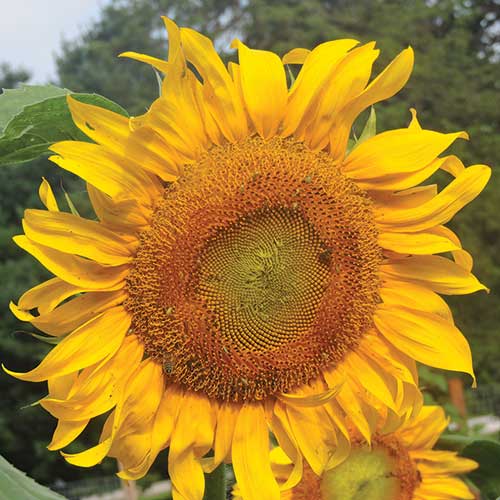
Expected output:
(31, 31)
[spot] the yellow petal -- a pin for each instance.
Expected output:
(438, 273)
(194, 429)
(426, 337)
(342, 447)
(72, 234)
(133, 442)
(418, 243)
(453, 166)
(178, 116)
(317, 68)
(114, 132)
(177, 119)
(311, 429)
(347, 80)
(47, 295)
(408, 198)
(59, 387)
(47, 196)
(284, 435)
(414, 123)
(66, 433)
(164, 423)
(189, 482)
(124, 216)
(74, 313)
(133, 404)
(220, 93)
(371, 377)
(263, 82)
(353, 408)
(442, 207)
(212, 130)
(75, 270)
(88, 344)
(110, 173)
(295, 56)
(235, 72)
(400, 181)
(308, 400)
(156, 63)
(461, 256)
(251, 455)
(385, 85)
(415, 296)
(444, 487)
(226, 422)
(423, 431)
(97, 390)
(397, 151)
(437, 462)
(143, 396)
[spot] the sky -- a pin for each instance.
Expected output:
(31, 31)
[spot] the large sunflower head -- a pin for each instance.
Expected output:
(400, 464)
(245, 270)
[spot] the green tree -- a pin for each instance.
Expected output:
(90, 65)
(11, 77)
(18, 271)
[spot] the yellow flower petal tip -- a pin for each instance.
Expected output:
(296, 56)
(18, 375)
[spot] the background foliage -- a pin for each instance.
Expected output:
(454, 86)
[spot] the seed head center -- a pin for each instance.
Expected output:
(260, 268)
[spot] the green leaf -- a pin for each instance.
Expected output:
(44, 338)
(455, 442)
(70, 203)
(350, 145)
(15, 484)
(47, 340)
(30, 132)
(13, 101)
(486, 477)
(370, 127)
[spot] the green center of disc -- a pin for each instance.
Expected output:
(263, 278)
(365, 475)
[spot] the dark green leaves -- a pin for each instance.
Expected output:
(36, 117)
(13, 101)
(16, 484)
(487, 476)
(370, 127)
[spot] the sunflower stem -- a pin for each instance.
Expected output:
(215, 484)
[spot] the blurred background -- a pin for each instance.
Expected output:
(455, 86)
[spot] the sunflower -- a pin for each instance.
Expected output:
(245, 272)
(399, 465)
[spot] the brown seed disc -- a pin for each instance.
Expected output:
(260, 268)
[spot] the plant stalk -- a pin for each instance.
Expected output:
(215, 484)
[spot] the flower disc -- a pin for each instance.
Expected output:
(259, 269)
(384, 471)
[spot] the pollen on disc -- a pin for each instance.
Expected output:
(259, 270)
